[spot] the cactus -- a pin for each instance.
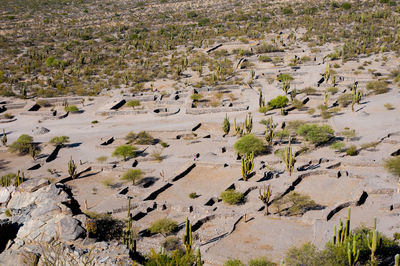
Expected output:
(356, 96)
(286, 86)
(227, 126)
(252, 74)
(327, 73)
(396, 260)
(187, 237)
(353, 253)
(343, 233)
(238, 128)
(261, 100)
(248, 123)
(72, 168)
(247, 165)
(17, 179)
(265, 197)
(4, 138)
(198, 257)
(326, 98)
(127, 234)
(289, 158)
(373, 242)
(333, 80)
(270, 131)
(293, 94)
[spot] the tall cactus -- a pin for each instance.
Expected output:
(261, 100)
(198, 257)
(373, 242)
(265, 197)
(187, 237)
(247, 165)
(270, 131)
(326, 98)
(327, 73)
(227, 125)
(72, 168)
(343, 233)
(286, 86)
(396, 260)
(4, 138)
(248, 123)
(238, 128)
(356, 96)
(289, 158)
(353, 253)
(127, 234)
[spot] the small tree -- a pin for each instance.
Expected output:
(133, 103)
(249, 144)
(60, 140)
(124, 151)
(21, 145)
(163, 226)
(133, 175)
(227, 126)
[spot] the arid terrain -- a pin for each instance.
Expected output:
(162, 104)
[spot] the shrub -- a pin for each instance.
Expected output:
(278, 102)
(101, 159)
(144, 138)
(378, 87)
(307, 254)
(8, 213)
(133, 103)
(295, 204)
(345, 100)
(233, 262)
(248, 144)
(264, 58)
(21, 145)
(156, 155)
(263, 261)
(352, 150)
(124, 151)
(171, 243)
(196, 97)
(133, 175)
(231, 196)
(284, 77)
(346, 6)
(163, 226)
(317, 134)
(338, 146)
(388, 106)
(71, 108)
(108, 182)
(393, 165)
(176, 257)
(332, 90)
(193, 195)
(309, 91)
(60, 140)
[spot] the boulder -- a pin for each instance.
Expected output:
(32, 185)
(70, 229)
(5, 194)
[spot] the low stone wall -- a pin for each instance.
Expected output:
(199, 111)
(114, 113)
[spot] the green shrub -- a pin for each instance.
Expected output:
(317, 134)
(346, 6)
(307, 254)
(101, 159)
(393, 165)
(196, 97)
(233, 262)
(144, 138)
(193, 195)
(132, 175)
(263, 261)
(338, 146)
(378, 87)
(278, 102)
(294, 204)
(345, 100)
(124, 151)
(8, 213)
(163, 226)
(133, 103)
(352, 150)
(231, 196)
(332, 90)
(176, 257)
(21, 145)
(284, 77)
(309, 91)
(264, 58)
(248, 144)
(171, 243)
(60, 140)
(71, 108)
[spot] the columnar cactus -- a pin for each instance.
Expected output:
(227, 125)
(326, 98)
(327, 73)
(238, 128)
(356, 96)
(127, 234)
(396, 260)
(286, 86)
(187, 237)
(270, 131)
(247, 165)
(353, 253)
(198, 257)
(373, 242)
(72, 168)
(343, 233)
(261, 100)
(4, 138)
(289, 158)
(265, 197)
(248, 123)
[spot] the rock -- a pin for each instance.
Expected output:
(40, 131)
(70, 229)
(21, 200)
(5, 194)
(48, 207)
(32, 185)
